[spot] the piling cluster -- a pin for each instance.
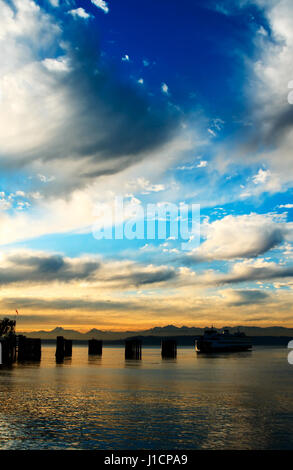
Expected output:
(20, 348)
(28, 349)
(132, 349)
(169, 349)
(63, 348)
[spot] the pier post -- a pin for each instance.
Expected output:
(60, 349)
(132, 349)
(169, 348)
(95, 347)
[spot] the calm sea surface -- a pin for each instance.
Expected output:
(228, 401)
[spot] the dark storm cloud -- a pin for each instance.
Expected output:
(45, 268)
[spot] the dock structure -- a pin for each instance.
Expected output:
(169, 348)
(95, 347)
(133, 349)
(28, 349)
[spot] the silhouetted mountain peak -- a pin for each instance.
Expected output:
(94, 330)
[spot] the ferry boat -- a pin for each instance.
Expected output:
(215, 341)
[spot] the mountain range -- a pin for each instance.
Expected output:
(169, 330)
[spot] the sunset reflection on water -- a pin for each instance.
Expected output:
(241, 400)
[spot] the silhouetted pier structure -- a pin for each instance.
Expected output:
(63, 348)
(60, 349)
(132, 349)
(28, 349)
(169, 348)
(95, 347)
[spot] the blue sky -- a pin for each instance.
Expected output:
(155, 102)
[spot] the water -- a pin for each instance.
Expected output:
(228, 401)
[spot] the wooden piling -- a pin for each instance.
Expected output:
(95, 347)
(132, 349)
(60, 348)
(169, 348)
(28, 349)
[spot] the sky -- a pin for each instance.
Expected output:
(153, 102)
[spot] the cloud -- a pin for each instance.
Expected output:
(79, 13)
(165, 88)
(272, 114)
(261, 177)
(251, 272)
(34, 303)
(202, 164)
(192, 166)
(66, 112)
(101, 4)
(145, 186)
(56, 65)
(268, 132)
(286, 206)
(212, 132)
(146, 276)
(237, 298)
(243, 236)
(46, 179)
(28, 267)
